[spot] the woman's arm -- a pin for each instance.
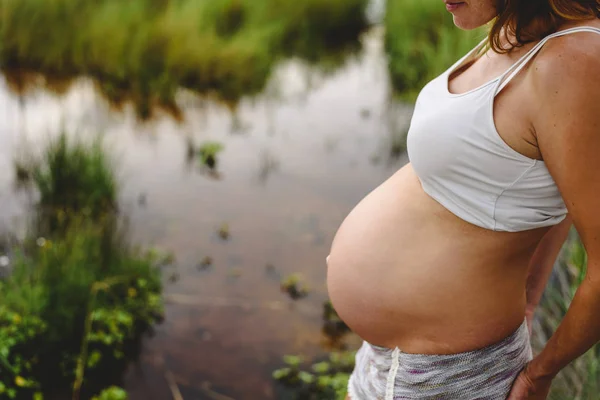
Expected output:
(566, 80)
(542, 263)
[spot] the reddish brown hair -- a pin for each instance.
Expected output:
(526, 21)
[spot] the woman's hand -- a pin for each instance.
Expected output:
(527, 388)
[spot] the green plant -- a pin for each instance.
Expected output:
(92, 293)
(73, 178)
(294, 286)
(422, 41)
(327, 380)
(112, 393)
(17, 362)
(207, 153)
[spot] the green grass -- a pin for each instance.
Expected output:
(422, 41)
(145, 49)
(79, 296)
(74, 177)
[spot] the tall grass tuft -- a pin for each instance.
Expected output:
(422, 41)
(581, 379)
(73, 177)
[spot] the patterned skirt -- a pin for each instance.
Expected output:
(483, 374)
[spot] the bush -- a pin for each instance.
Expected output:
(422, 41)
(17, 362)
(86, 286)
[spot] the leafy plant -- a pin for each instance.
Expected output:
(17, 362)
(84, 287)
(112, 393)
(327, 380)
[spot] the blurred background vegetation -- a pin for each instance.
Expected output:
(77, 296)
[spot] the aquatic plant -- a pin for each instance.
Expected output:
(74, 177)
(86, 287)
(422, 41)
(78, 297)
(327, 379)
(224, 231)
(22, 172)
(294, 286)
(144, 50)
(112, 393)
(205, 263)
(17, 332)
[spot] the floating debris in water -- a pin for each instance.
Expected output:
(41, 241)
(235, 272)
(294, 286)
(272, 272)
(205, 264)
(224, 232)
(208, 153)
(23, 172)
(4, 261)
(174, 277)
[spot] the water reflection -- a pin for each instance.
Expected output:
(295, 160)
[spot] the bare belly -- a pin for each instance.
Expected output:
(403, 271)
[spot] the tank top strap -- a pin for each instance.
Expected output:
(514, 70)
(474, 50)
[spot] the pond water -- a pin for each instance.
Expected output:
(296, 159)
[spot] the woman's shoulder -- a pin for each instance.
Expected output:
(569, 60)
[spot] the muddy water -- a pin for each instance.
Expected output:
(296, 159)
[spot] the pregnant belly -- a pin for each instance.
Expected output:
(404, 272)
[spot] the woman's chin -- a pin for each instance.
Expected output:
(466, 25)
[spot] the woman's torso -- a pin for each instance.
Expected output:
(404, 271)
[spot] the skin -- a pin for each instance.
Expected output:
(503, 274)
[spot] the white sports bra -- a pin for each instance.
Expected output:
(464, 164)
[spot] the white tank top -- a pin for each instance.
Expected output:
(464, 164)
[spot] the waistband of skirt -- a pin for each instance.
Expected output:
(517, 338)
